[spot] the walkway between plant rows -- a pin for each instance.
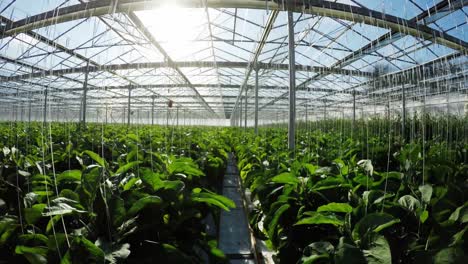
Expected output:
(234, 232)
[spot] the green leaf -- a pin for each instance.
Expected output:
(367, 166)
(458, 238)
(29, 199)
(127, 167)
(53, 220)
(133, 137)
(90, 181)
(67, 193)
(213, 199)
(176, 186)
(218, 253)
(32, 239)
(69, 176)
(317, 218)
(285, 178)
(379, 251)
(58, 241)
(184, 166)
(130, 183)
(336, 207)
(423, 217)
(347, 253)
(60, 209)
(142, 203)
(44, 193)
(117, 210)
(317, 252)
(460, 214)
(384, 226)
(174, 255)
(34, 213)
(151, 179)
(215, 251)
(310, 168)
(450, 255)
(273, 225)
(114, 253)
(426, 193)
(67, 259)
(409, 202)
(84, 251)
(35, 255)
(96, 158)
(374, 222)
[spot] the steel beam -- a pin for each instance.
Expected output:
(292, 85)
(66, 50)
(399, 77)
(172, 85)
(181, 64)
(392, 36)
(322, 8)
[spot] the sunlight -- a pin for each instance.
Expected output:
(169, 25)
(176, 28)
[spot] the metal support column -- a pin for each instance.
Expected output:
(167, 116)
(138, 117)
(85, 93)
(240, 112)
(403, 110)
(354, 108)
(106, 115)
(306, 116)
(388, 108)
(292, 83)
(45, 105)
(256, 101)
(29, 113)
(22, 112)
(448, 138)
(123, 115)
(177, 117)
(129, 106)
(152, 110)
(245, 110)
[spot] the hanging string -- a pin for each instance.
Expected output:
(44, 172)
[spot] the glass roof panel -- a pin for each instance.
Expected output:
(219, 36)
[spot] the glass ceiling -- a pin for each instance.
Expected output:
(202, 58)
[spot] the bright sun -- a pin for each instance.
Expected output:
(176, 28)
(172, 23)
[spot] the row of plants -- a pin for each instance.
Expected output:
(362, 198)
(110, 194)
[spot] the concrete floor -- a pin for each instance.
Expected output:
(234, 234)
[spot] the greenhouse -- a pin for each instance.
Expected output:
(233, 131)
